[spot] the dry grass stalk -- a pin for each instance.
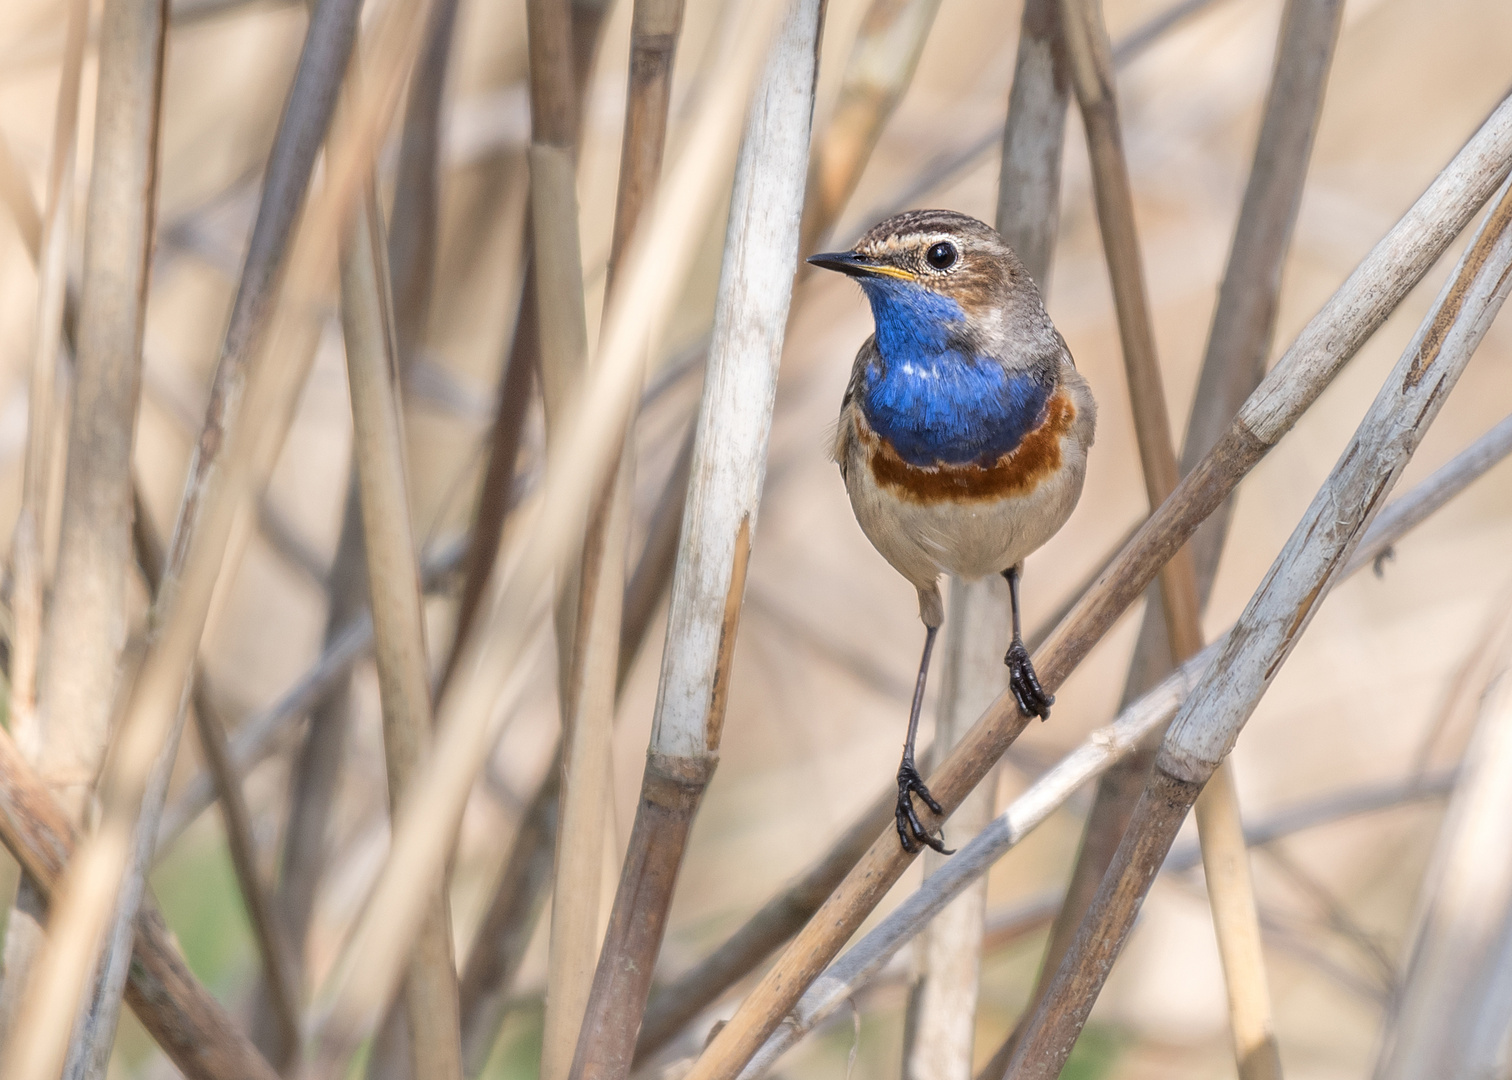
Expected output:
(272, 943)
(563, 335)
(1098, 753)
(49, 243)
(1225, 858)
(659, 259)
(506, 928)
(1454, 1006)
(262, 733)
(593, 668)
(1333, 336)
(880, 67)
(1205, 729)
(1243, 324)
(86, 621)
(729, 458)
(139, 764)
(430, 986)
(186, 1020)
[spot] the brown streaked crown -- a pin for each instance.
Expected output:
(985, 267)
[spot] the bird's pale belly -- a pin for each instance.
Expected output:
(970, 521)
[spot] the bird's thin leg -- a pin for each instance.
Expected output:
(910, 829)
(1022, 680)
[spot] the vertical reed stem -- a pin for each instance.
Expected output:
(430, 986)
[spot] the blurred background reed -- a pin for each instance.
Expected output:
(1378, 703)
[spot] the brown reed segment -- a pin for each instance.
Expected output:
(1098, 753)
(729, 460)
(191, 1027)
(1345, 322)
(1090, 62)
(1205, 729)
(430, 984)
(940, 1027)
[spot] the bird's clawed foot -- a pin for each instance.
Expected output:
(1025, 684)
(911, 830)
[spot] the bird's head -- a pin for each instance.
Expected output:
(933, 275)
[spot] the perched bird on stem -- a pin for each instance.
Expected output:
(964, 431)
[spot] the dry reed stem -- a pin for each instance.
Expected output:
(1210, 720)
(191, 1027)
(49, 242)
(729, 459)
(139, 765)
(563, 336)
(86, 619)
(505, 931)
(1243, 324)
(1098, 753)
(1225, 859)
(268, 934)
(880, 67)
(593, 667)
(659, 259)
(430, 986)
(1454, 1007)
(415, 220)
(261, 734)
(1332, 336)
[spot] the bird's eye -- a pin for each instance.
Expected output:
(942, 256)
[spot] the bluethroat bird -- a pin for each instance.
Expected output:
(964, 431)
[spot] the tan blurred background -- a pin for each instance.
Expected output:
(830, 635)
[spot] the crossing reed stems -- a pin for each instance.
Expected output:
(1225, 858)
(49, 240)
(430, 985)
(189, 1024)
(1099, 753)
(86, 621)
(729, 459)
(1212, 716)
(1243, 325)
(1378, 284)
(655, 268)
(135, 777)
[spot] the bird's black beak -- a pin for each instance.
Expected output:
(846, 262)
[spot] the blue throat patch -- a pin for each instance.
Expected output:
(936, 404)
